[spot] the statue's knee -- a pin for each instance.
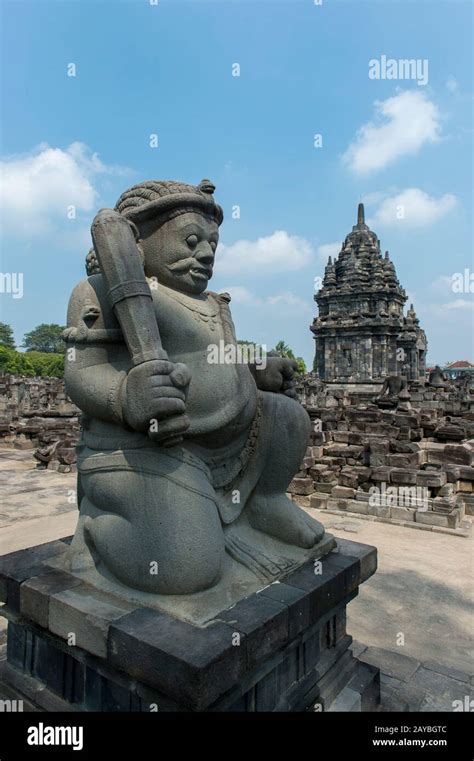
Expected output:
(171, 542)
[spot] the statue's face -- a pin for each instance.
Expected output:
(180, 253)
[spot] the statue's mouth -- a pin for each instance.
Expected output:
(200, 272)
(191, 265)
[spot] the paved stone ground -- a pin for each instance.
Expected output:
(414, 615)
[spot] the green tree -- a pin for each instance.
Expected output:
(47, 365)
(6, 336)
(283, 350)
(15, 362)
(45, 338)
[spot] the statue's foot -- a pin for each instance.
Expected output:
(278, 516)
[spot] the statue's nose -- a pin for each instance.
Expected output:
(204, 253)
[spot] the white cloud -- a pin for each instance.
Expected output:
(403, 124)
(413, 207)
(452, 85)
(328, 249)
(37, 189)
(279, 252)
(284, 300)
(459, 304)
(239, 294)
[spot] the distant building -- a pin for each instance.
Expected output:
(459, 368)
(361, 332)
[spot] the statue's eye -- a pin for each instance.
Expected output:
(192, 241)
(213, 244)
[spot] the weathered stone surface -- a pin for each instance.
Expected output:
(381, 474)
(35, 594)
(318, 500)
(275, 653)
(402, 513)
(301, 486)
(343, 491)
(403, 476)
(460, 454)
(450, 520)
(263, 621)
(145, 505)
(431, 479)
(84, 615)
(380, 511)
(16, 567)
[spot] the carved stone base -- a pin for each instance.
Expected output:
(283, 648)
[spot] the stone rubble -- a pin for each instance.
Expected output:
(406, 460)
(35, 413)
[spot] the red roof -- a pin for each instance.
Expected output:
(459, 363)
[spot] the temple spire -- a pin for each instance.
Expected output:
(360, 214)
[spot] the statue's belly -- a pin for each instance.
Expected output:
(222, 398)
(219, 396)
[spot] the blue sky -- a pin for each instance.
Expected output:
(166, 69)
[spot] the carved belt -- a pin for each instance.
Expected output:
(224, 475)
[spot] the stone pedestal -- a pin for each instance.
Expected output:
(283, 648)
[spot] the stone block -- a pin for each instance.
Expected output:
(35, 594)
(18, 566)
(402, 514)
(343, 491)
(403, 476)
(380, 446)
(431, 478)
(296, 602)
(377, 459)
(263, 621)
(430, 518)
(337, 503)
(348, 479)
(86, 613)
(356, 506)
(381, 474)
(379, 511)
(404, 460)
(466, 473)
(193, 665)
(315, 452)
(301, 486)
(459, 454)
(446, 491)
(453, 472)
(318, 500)
(326, 488)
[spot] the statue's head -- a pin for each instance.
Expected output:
(177, 230)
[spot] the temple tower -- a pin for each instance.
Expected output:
(361, 332)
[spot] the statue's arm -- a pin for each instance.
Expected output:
(100, 378)
(96, 388)
(95, 370)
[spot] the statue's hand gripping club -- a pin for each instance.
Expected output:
(155, 386)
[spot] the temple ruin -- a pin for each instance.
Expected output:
(361, 332)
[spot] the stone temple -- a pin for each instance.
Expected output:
(361, 332)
